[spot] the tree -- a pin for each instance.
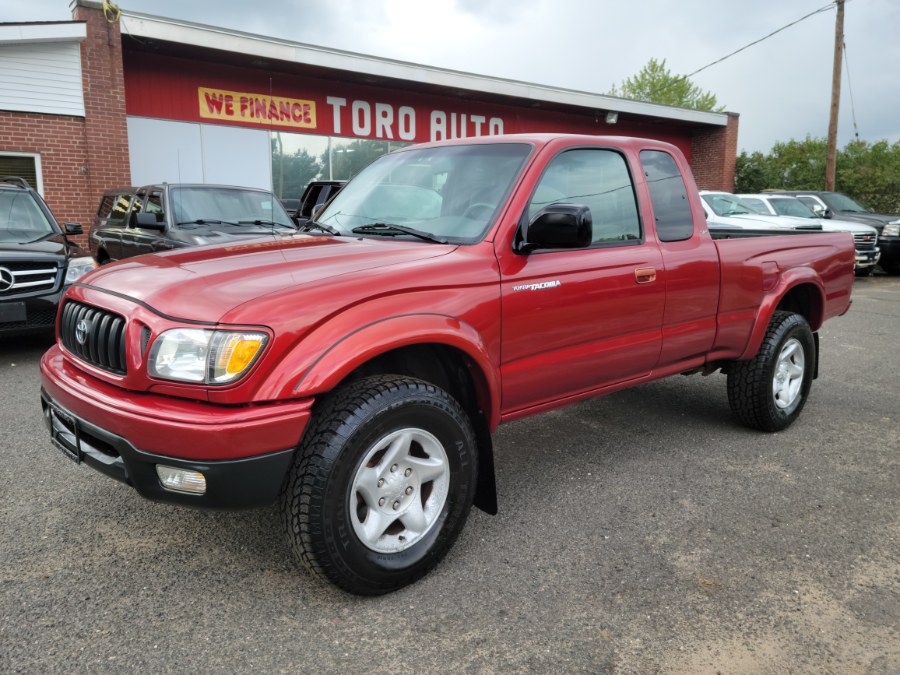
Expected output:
(349, 158)
(656, 84)
(752, 173)
(291, 173)
(867, 172)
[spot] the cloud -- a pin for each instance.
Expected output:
(781, 87)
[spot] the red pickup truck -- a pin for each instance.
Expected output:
(355, 369)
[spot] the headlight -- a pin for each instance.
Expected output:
(892, 229)
(77, 268)
(205, 356)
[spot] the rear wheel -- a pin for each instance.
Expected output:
(769, 391)
(381, 485)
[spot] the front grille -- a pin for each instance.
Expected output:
(36, 318)
(864, 242)
(94, 335)
(18, 277)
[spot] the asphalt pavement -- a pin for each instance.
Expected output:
(642, 532)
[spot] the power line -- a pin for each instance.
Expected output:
(850, 89)
(756, 42)
(679, 78)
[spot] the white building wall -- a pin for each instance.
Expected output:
(188, 152)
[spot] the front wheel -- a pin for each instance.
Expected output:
(769, 391)
(381, 484)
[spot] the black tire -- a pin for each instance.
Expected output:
(788, 352)
(328, 475)
(864, 272)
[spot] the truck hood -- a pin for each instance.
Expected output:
(875, 219)
(50, 246)
(206, 282)
(834, 225)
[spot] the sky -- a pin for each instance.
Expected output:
(781, 87)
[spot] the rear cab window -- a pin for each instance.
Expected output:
(668, 196)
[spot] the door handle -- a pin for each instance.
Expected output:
(645, 275)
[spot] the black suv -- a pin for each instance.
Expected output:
(131, 221)
(835, 204)
(37, 261)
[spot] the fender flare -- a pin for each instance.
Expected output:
(789, 280)
(386, 334)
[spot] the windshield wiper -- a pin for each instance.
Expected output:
(206, 221)
(272, 223)
(313, 225)
(389, 230)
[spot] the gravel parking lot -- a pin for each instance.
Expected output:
(642, 532)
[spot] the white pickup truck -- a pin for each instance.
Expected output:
(865, 237)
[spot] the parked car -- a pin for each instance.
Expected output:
(37, 260)
(356, 375)
(836, 204)
(726, 211)
(131, 221)
(865, 237)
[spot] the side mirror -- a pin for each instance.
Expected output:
(73, 228)
(557, 226)
(150, 221)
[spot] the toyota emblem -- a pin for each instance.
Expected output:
(81, 331)
(7, 280)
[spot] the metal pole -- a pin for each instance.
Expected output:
(831, 157)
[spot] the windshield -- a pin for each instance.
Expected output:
(838, 202)
(726, 205)
(758, 205)
(790, 206)
(21, 218)
(229, 205)
(450, 193)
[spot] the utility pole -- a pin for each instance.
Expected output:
(831, 157)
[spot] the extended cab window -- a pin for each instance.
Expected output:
(137, 203)
(595, 178)
(113, 207)
(668, 196)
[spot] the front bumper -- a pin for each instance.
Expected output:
(866, 259)
(25, 315)
(243, 452)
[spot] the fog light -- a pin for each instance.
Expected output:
(181, 480)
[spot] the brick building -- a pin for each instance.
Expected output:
(107, 99)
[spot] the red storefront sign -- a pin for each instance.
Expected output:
(195, 91)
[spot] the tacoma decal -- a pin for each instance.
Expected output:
(537, 287)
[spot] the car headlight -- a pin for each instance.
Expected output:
(77, 268)
(892, 229)
(205, 356)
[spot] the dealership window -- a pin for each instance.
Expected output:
(300, 158)
(24, 165)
